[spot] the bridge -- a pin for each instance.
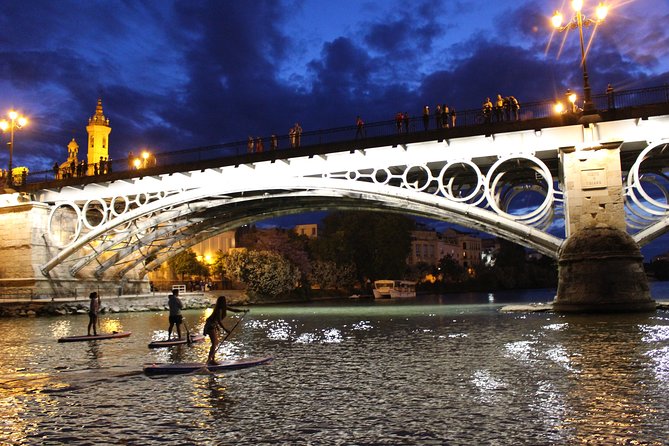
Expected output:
(535, 181)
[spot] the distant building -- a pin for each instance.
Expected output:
(470, 244)
(98, 130)
(429, 246)
(207, 249)
(309, 230)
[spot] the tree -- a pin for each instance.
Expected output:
(186, 263)
(331, 276)
(376, 243)
(451, 270)
(265, 273)
(290, 245)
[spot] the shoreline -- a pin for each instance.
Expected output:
(122, 304)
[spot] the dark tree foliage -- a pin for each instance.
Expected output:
(376, 243)
(451, 270)
(286, 242)
(186, 263)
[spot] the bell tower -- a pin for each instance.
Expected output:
(98, 136)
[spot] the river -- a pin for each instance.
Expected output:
(435, 370)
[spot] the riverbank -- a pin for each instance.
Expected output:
(548, 307)
(122, 304)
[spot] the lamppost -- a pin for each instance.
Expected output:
(578, 22)
(16, 121)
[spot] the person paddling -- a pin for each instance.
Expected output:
(93, 311)
(175, 305)
(214, 324)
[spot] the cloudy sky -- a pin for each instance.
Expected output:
(179, 74)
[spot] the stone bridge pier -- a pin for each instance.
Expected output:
(23, 248)
(600, 266)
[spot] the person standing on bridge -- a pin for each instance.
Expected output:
(93, 310)
(298, 134)
(175, 305)
(214, 324)
(487, 111)
(444, 116)
(360, 128)
(426, 117)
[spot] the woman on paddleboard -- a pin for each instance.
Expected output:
(93, 311)
(214, 324)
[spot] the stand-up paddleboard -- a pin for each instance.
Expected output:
(190, 367)
(171, 342)
(112, 335)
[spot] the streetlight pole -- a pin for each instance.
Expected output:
(580, 21)
(15, 121)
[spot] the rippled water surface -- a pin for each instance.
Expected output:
(435, 370)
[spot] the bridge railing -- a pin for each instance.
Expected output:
(465, 118)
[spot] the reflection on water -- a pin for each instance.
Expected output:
(435, 370)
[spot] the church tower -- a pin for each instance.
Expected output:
(98, 137)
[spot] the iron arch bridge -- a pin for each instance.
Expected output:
(506, 184)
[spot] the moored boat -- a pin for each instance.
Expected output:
(386, 289)
(403, 288)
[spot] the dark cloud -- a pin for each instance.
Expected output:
(179, 74)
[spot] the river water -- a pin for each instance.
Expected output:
(436, 370)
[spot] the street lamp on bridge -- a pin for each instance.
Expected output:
(16, 121)
(579, 21)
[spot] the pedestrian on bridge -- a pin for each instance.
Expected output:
(298, 134)
(360, 128)
(426, 117)
(398, 122)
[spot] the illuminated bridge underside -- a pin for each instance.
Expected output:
(502, 184)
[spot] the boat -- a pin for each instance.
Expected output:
(382, 288)
(194, 367)
(386, 289)
(176, 341)
(403, 288)
(112, 335)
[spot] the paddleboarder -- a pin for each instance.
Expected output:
(214, 324)
(93, 311)
(176, 318)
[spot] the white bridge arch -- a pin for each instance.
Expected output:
(504, 184)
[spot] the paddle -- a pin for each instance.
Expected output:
(189, 340)
(233, 329)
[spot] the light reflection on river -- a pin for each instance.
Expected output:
(435, 370)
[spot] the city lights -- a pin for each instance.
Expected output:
(579, 22)
(16, 121)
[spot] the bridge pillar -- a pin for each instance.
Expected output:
(600, 266)
(23, 247)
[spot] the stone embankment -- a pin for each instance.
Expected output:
(152, 302)
(548, 307)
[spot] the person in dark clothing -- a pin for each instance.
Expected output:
(214, 324)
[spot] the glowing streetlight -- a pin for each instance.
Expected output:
(16, 121)
(578, 22)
